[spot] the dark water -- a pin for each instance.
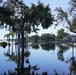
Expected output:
(51, 58)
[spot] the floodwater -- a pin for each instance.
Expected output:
(50, 58)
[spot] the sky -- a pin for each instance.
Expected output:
(53, 5)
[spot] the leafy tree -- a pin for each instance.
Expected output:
(34, 38)
(72, 4)
(18, 16)
(73, 27)
(47, 37)
(5, 14)
(28, 18)
(7, 35)
(60, 34)
(68, 17)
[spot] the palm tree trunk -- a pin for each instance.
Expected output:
(18, 50)
(12, 44)
(8, 46)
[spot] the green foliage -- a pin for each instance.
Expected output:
(61, 34)
(73, 26)
(6, 35)
(34, 38)
(3, 44)
(47, 37)
(25, 18)
(12, 33)
(5, 12)
(68, 17)
(43, 14)
(30, 18)
(5, 15)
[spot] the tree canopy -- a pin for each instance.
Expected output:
(47, 37)
(24, 19)
(28, 18)
(72, 4)
(68, 17)
(34, 38)
(61, 34)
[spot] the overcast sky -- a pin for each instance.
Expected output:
(53, 5)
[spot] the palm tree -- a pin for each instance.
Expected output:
(12, 34)
(8, 39)
(7, 35)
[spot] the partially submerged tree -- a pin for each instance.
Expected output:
(25, 19)
(28, 18)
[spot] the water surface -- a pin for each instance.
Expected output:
(48, 58)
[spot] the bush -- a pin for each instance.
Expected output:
(3, 44)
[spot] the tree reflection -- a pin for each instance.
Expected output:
(73, 63)
(62, 49)
(29, 70)
(21, 70)
(35, 46)
(73, 67)
(63, 46)
(48, 46)
(60, 55)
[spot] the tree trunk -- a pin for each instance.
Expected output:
(18, 42)
(22, 65)
(12, 45)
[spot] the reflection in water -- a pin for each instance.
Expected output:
(22, 70)
(62, 49)
(73, 63)
(28, 69)
(8, 48)
(48, 46)
(72, 60)
(60, 55)
(35, 46)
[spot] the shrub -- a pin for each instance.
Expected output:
(3, 44)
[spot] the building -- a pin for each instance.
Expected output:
(71, 37)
